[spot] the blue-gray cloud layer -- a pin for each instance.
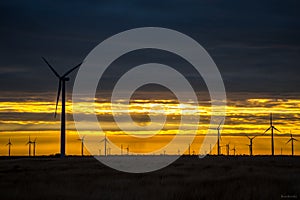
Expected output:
(255, 44)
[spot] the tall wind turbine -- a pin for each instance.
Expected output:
(272, 128)
(82, 144)
(105, 140)
(9, 144)
(251, 144)
(219, 137)
(62, 89)
(29, 146)
(292, 139)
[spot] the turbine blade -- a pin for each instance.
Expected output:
(69, 71)
(52, 69)
(288, 141)
(57, 98)
(220, 124)
(276, 129)
(267, 130)
(34, 140)
(248, 137)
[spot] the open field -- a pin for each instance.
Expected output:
(224, 177)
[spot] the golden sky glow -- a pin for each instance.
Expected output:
(22, 119)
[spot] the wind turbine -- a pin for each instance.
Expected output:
(251, 144)
(82, 144)
(34, 143)
(9, 146)
(62, 89)
(29, 146)
(219, 138)
(105, 140)
(127, 148)
(234, 150)
(227, 148)
(292, 139)
(272, 133)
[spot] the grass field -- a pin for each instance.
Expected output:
(224, 177)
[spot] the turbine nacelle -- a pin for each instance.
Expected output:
(65, 79)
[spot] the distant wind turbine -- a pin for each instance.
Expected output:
(292, 139)
(272, 128)
(82, 144)
(251, 144)
(105, 140)
(127, 148)
(34, 143)
(29, 146)
(9, 144)
(62, 89)
(228, 149)
(234, 150)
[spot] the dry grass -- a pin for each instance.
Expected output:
(188, 178)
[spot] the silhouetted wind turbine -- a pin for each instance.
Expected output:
(82, 144)
(272, 133)
(292, 139)
(9, 144)
(29, 146)
(219, 137)
(228, 148)
(34, 143)
(234, 150)
(105, 140)
(109, 151)
(127, 148)
(62, 89)
(251, 144)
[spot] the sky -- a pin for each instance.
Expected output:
(255, 45)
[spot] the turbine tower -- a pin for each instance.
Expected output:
(292, 139)
(251, 144)
(82, 144)
(62, 89)
(272, 128)
(9, 146)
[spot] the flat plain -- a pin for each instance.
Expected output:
(213, 177)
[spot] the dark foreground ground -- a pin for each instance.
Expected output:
(188, 178)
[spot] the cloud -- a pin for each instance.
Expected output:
(255, 44)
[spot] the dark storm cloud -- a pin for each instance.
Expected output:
(255, 44)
